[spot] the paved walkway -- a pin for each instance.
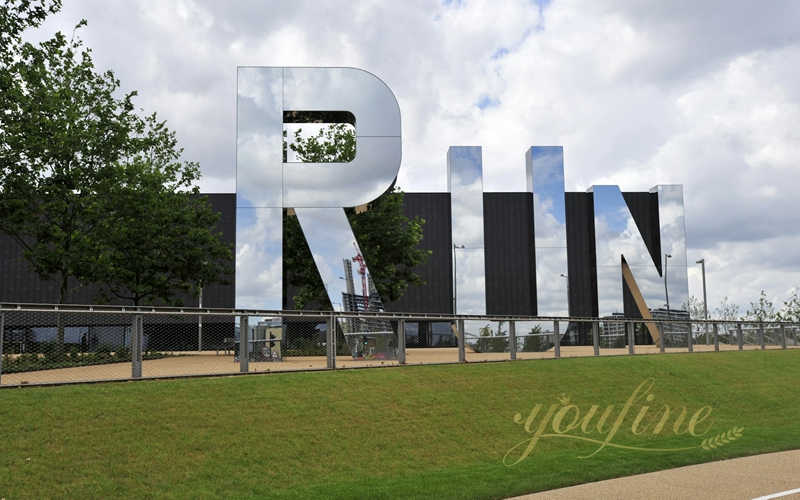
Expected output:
(759, 476)
(219, 362)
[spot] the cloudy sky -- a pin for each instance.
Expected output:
(704, 94)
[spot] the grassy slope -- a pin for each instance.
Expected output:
(414, 432)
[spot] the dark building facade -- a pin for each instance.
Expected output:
(19, 285)
(510, 256)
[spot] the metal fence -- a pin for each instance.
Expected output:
(43, 344)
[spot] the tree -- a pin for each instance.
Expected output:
(388, 240)
(696, 310)
(726, 311)
(15, 17)
(535, 341)
(790, 312)
(159, 240)
(761, 310)
(63, 132)
(60, 128)
(83, 178)
(489, 341)
(335, 143)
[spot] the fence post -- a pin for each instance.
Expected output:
(200, 331)
(331, 342)
(244, 337)
(629, 329)
(689, 339)
(739, 336)
(716, 337)
(2, 338)
(783, 336)
(557, 339)
(596, 337)
(134, 348)
(796, 327)
(401, 341)
(761, 336)
(512, 339)
(462, 356)
(137, 325)
(662, 337)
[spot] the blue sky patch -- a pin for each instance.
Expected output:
(500, 53)
(487, 101)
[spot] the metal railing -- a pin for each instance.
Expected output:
(47, 344)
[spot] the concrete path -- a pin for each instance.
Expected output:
(219, 362)
(774, 475)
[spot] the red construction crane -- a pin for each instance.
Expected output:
(362, 270)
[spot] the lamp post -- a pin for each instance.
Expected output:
(705, 300)
(666, 291)
(455, 276)
(200, 315)
(568, 308)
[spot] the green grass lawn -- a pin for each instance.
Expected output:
(407, 432)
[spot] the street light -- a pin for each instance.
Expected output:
(666, 291)
(567, 278)
(705, 300)
(455, 276)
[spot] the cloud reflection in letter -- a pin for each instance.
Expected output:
(465, 183)
(263, 180)
(616, 235)
(545, 176)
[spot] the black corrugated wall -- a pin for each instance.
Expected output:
(510, 254)
(581, 255)
(437, 295)
(20, 285)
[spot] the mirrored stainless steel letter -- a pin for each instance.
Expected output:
(617, 236)
(377, 114)
(673, 242)
(331, 239)
(259, 258)
(265, 181)
(545, 175)
(259, 158)
(465, 183)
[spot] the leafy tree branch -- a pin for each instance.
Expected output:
(388, 240)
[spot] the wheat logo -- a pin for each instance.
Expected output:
(722, 439)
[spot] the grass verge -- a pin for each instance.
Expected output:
(410, 432)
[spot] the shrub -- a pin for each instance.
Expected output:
(103, 351)
(123, 353)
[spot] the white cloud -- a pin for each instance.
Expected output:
(703, 94)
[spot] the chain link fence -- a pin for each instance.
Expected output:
(48, 344)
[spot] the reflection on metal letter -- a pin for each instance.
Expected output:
(265, 184)
(616, 234)
(465, 183)
(545, 176)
